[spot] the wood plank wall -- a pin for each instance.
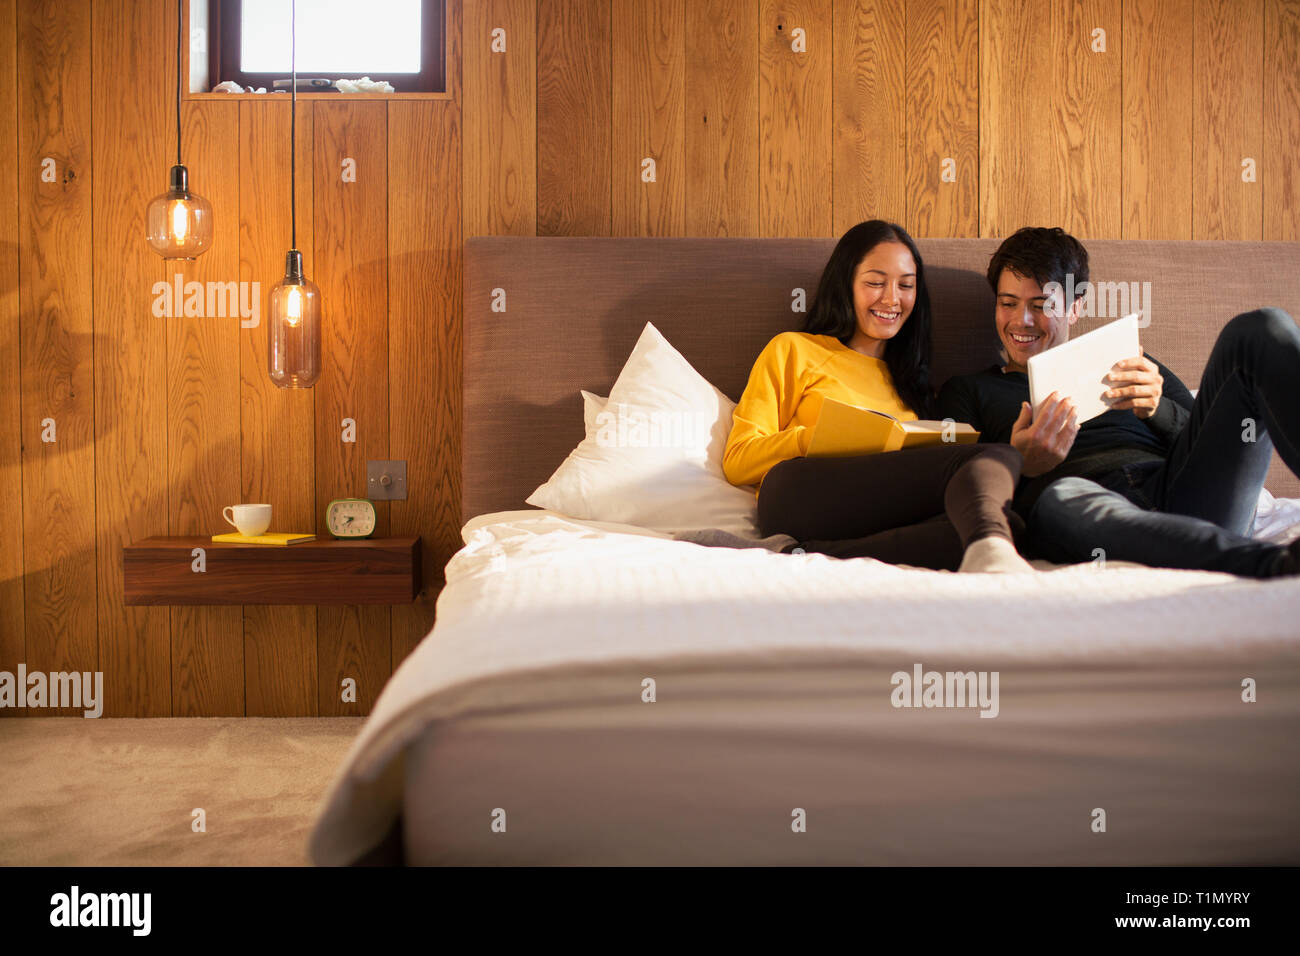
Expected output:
(1114, 118)
(277, 427)
(131, 373)
(13, 552)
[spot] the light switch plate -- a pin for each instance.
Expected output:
(394, 489)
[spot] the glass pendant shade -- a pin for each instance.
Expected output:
(179, 221)
(293, 336)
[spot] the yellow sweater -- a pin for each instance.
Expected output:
(780, 405)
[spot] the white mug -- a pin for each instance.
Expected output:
(251, 520)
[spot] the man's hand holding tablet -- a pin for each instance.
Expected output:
(1045, 437)
(1137, 384)
(1089, 368)
(1085, 379)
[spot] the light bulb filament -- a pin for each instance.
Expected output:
(180, 221)
(293, 305)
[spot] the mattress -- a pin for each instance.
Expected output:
(813, 710)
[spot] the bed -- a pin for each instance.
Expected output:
(601, 693)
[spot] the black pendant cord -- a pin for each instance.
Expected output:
(293, 123)
(179, 30)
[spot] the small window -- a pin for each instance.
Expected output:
(398, 41)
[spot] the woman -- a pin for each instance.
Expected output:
(867, 342)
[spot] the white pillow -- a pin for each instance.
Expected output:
(652, 455)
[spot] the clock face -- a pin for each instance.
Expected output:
(350, 518)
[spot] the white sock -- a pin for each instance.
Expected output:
(993, 555)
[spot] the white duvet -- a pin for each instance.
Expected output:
(533, 594)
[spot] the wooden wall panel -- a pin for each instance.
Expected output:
(649, 102)
(795, 164)
(1228, 118)
(207, 657)
(424, 283)
(1017, 169)
(277, 425)
(500, 98)
(573, 117)
(869, 99)
(134, 146)
(721, 125)
(424, 306)
(56, 331)
(1050, 117)
(351, 236)
(455, 26)
(1157, 148)
(12, 643)
(750, 138)
(943, 112)
(1280, 166)
(1088, 115)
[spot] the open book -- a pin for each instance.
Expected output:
(844, 429)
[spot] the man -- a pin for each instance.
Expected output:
(1161, 478)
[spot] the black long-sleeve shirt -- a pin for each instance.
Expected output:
(990, 402)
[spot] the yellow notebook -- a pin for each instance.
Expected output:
(273, 537)
(844, 429)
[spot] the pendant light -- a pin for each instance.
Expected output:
(293, 336)
(179, 222)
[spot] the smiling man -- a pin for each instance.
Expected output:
(1162, 478)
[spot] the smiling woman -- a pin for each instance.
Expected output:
(872, 297)
(884, 292)
(866, 342)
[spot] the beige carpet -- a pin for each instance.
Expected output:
(122, 792)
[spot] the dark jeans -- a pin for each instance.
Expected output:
(1195, 509)
(918, 506)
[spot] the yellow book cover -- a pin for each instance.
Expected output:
(272, 537)
(844, 429)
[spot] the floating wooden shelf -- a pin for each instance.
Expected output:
(325, 571)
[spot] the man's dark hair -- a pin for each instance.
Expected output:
(1042, 254)
(907, 353)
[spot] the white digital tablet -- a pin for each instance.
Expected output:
(1078, 367)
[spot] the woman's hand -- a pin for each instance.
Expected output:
(1045, 438)
(1138, 385)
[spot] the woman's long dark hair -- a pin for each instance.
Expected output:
(908, 354)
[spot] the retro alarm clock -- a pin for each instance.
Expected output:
(350, 518)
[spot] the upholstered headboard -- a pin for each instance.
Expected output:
(545, 317)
